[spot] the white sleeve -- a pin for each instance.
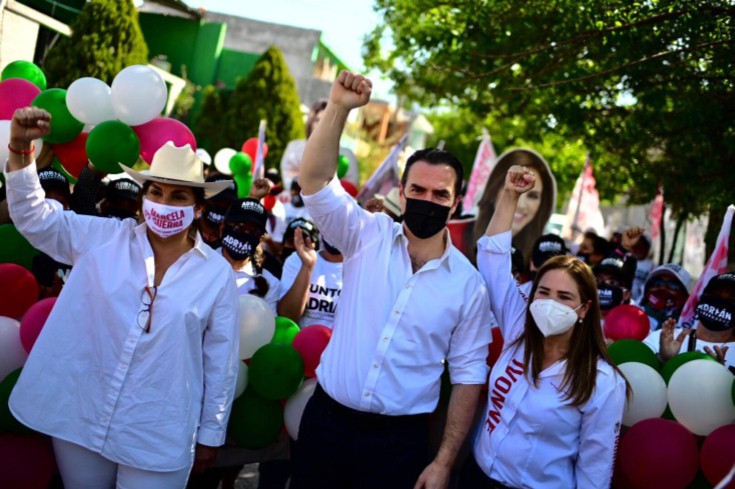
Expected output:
(598, 438)
(346, 225)
(467, 356)
(274, 291)
(63, 235)
(653, 340)
(220, 349)
(507, 302)
(291, 268)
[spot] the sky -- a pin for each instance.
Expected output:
(342, 23)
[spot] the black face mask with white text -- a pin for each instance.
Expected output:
(715, 313)
(239, 245)
(609, 296)
(425, 218)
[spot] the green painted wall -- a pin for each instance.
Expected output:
(173, 37)
(233, 65)
(207, 53)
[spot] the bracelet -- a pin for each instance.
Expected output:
(22, 152)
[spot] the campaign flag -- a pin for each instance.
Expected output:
(657, 213)
(386, 176)
(482, 167)
(716, 265)
(583, 211)
(259, 167)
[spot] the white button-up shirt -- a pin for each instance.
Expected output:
(529, 436)
(94, 377)
(394, 328)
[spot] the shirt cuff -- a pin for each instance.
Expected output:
(210, 438)
(474, 373)
(497, 243)
(327, 200)
(16, 174)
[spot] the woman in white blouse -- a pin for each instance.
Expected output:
(555, 401)
(134, 372)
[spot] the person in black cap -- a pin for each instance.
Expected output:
(714, 324)
(214, 211)
(545, 247)
(121, 199)
(615, 274)
(241, 231)
(56, 186)
(309, 229)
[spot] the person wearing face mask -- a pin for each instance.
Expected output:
(545, 248)
(593, 248)
(121, 199)
(410, 303)
(714, 325)
(665, 293)
(614, 275)
(134, 372)
(294, 208)
(555, 399)
(241, 233)
(213, 213)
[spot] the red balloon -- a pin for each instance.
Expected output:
(33, 321)
(659, 454)
(250, 148)
(18, 290)
(496, 347)
(15, 93)
(73, 155)
(349, 187)
(310, 342)
(718, 454)
(26, 461)
(627, 322)
(159, 131)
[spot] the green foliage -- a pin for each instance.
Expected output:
(184, 102)
(269, 92)
(105, 39)
(209, 127)
(647, 86)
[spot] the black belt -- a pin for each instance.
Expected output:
(368, 420)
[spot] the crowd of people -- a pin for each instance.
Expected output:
(133, 375)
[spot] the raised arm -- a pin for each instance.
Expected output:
(319, 163)
(27, 125)
(518, 180)
(293, 303)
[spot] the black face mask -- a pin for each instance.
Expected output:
(331, 249)
(424, 218)
(285, 253)
(214, 217)
(609, 296)
(715, 313)
(297, 201)
(585, 257)
(119, 213)
(239, 245)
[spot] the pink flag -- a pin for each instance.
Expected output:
(259, 167)
(481, 169)
(716, 265)
(386, 176)
(657, 213)
(583, 211)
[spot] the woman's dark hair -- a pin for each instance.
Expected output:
(587, 344)
(316, 108)
(435, 156)
(527, 236)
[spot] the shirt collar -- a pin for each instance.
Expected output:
(199, 244)
(447, 257)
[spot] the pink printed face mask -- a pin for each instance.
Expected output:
(167, 220)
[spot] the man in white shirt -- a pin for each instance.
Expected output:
(410, 302)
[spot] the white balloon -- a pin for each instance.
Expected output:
(90, 101)
(649, 393)
(700, 396)
(139, 95)
(294, 408)
(242, 379)
(204, 156)
(5, 140)
(257, 325)
(12, 354)
(222, 160)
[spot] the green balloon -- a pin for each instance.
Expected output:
(57, 164)
(343, 165)
(14, 248)
(241, 167)
(27, 71)
(286, 331)
(255, 421)
(110, 143)
(276, 371)
(675, 362)
(8, 423)
(64, 127)
(623, 351)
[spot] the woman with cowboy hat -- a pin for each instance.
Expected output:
(134, 372)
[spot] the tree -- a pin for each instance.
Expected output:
(268, 92)
(647, 85)
(105, 39)
(210, 125)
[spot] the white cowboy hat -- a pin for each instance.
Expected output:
(178, 166)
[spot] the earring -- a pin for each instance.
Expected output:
(580, 321)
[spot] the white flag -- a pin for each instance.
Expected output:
(482, 167)
(583, 211)
(259, 167)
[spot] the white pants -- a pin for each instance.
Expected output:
(81, 468)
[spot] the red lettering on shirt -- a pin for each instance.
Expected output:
(502, 385)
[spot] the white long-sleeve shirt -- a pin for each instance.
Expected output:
(94, 377)
(529, 436)
(395, 328)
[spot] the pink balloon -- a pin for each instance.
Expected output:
(718, 454)
(159, 131)
(658, 454)
(310, 343)
(627, 322)
(26, 461)
(33, 321)
(15, 93)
